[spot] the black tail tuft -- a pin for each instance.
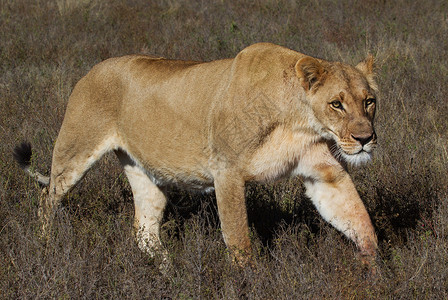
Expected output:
(22, 154)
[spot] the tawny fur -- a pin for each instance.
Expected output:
(268, 113)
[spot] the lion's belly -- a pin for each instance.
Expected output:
(187, 179)
(169, 172)
(173, 154)
(169, 137)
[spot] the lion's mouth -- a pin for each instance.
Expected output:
(355, 154)
(362, 151)
(350, 151)
(355, 158)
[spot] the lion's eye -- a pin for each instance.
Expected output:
(336, 104)
(370, 101)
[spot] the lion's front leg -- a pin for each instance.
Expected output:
(333, 193)
(339, 203)
(229, 188)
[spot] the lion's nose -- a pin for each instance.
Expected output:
(364, 138)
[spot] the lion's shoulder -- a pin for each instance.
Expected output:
(265, 47)
(268, 54)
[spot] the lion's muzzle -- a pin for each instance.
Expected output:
(364, 138)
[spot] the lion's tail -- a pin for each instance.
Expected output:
(22, 154)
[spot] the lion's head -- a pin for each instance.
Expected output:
(343, 101)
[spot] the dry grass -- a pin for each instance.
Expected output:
(46, 46)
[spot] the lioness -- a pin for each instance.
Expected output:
(268, 113)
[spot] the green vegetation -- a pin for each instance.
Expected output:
(46, 46)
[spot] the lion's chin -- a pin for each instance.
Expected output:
(357, 159)
(354, 157)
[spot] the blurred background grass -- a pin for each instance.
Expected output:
(48, 45)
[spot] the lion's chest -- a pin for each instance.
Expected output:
(280, 155)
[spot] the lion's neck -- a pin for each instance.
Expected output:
(281, 153)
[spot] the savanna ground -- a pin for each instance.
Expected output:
(48, 45)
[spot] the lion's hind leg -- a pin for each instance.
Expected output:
(71, 160)
(149, 202)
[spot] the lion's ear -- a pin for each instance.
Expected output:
(310, 71)
(367, 65)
